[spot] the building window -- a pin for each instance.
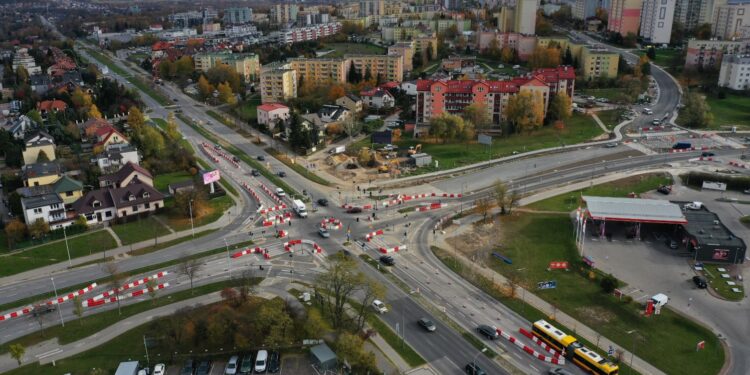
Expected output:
(147, 205)
(96, 204)
(37, 210)
(135, 208)
(68, 193)
(108, 214)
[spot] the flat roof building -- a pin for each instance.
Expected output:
(710, 240)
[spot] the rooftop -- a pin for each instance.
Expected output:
(41, 169)
(634, 210)
(41, 201)
(707, 228)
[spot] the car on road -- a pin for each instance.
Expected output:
(235, 159)
(217, 146)
(655, 122)
(281, 174)
(261, 158)
(323, 232)
(746, 191)
(42, 310)
(274, 362)
(611, 145)
(188, 368)
(427, 324)
(204, 368)
(255, 173)
(474, 369)
(280, 192)
(323, 202)
(664, 189)
(700, 282)
(354, 210)
(707, 154)
(487, 331)
(175, 100)
(261, 361)
(231, 367)
(379, 306)
(648, 111)
(160, 369)
(559, 371)
(387, 260)
(246, 367)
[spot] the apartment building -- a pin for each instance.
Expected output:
(388, 67)
(525, 17)
(22, 58)
(687, 13)
(237, 16)
(598, 62)
(505, 18)
(371, 8)
(246, 65)
(584, 9)
(406, 50)
(278, 82)
(656, 20)
(283, 14)
(319, 71)
(625, 16)
(735, 72)
(708, 53)
(427, 43)
(523, 44)
(302, 34)
(731, 21)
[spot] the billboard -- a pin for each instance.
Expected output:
(720, 186)
(383, 138)
(484, 139)
(211, 176)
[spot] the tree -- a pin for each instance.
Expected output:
(630, 40)
(94, 112)
(191, 203)
(135, 118)
(645, 65)
(651, 53)
(370, 291)
(526, 111)
(184, 67)
(116, 279)
(339, 281)
(506, 55)
(567, 57)
(609, 283)
(476, 113)
(560, 108)
(81, 100)
(38, 228)
(22, 75)
(35, 116)
(225, 94)
(696, 113)
(152, 289)
(500, 193)
(493, 49)
(17, 352)
(349, 348)
(190, 268)
(703, 31)
(167, 69)
(512, 200)
(204, 87)
(15, 231)
(336, 92)
(368, 74)
(81, 222)
(172, 133)
(78, 308)
(315, 324)
(482, 207)
(72, 131)
(223, 73)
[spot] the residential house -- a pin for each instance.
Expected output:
(351, 102)
(47, 207)
(18, 126)
(105, 204)
(270, 113)
(378, 98)
(51, 106)
(333, 113)
(37, 143)
(181, 186)
(38, 174)
(40, 83)
(130, 173)
(68, 188)
(108, 135)
(115, 156)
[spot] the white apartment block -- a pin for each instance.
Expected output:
(656, 20)
(731, 21)
(735, 72)
(22, 58)
(525, 14)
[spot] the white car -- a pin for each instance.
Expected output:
(280, 192)
(694, 205)
(379, 306)
(160, 369)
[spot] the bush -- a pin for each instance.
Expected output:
(609, 283)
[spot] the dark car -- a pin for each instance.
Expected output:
(387, 260)
(559, 371)
(664, 189)
(255, 173)
(487, 331)
(235, 159)
(204, 368)
(707, 154)
(354, 210)
(246, 366)
(427, 324)
(700, 282)
(261, 158)
(323, 202)
(274, 363)
(282, 174)
(672, 244)
(473, 369)
(188, 368)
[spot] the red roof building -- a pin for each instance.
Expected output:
(48, 106)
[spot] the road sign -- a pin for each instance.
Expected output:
(551, 284)
(701, 345)
(562, 265)
(611, 350)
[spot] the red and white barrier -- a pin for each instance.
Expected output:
(288, 245)
(331, 223)
(433, 206)
(222, 154)
(281, 234)
(531, 351)
(271, 194)
(252, 193)
(682, 150)
(388, 250)
(72, 295)
(317, 248)
(98, 302)
(273, 209)
(256, 250)
(539, 342)
(144, 280)
(738, 164)
(369, 236)
(16, 314)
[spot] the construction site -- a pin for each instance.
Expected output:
(370, 163)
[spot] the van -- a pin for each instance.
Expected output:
(261, 361)
(648, 111)
(231, 368)
(299, 208)
(660, 300)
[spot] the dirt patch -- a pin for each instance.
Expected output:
(472, 239)
(597, 314)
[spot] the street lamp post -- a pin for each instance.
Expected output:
(190, 208)
(632, 352)
(477, 355)
(62, 321)
(67, 248)
(229, 263)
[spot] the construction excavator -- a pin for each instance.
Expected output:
(390, 165)
(414, 149)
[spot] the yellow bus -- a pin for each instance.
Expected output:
(556, 338)
(584, 357)
(588, 360)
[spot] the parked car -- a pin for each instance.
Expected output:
(261, 158)
(672, 244)
(379, 306)
(235, 159)
(427, 324)
(231, 367)
(354, 210)
(559, 371)
(255, 173)
(281, 174)
(700, 282)
(323, 202)
(487, 331)
(274, 362)
(246, 366)
(694, 205)
(204, 368)
(611, 145)
(387, 260)
(746, 191)
(473, 369)
(160, 369)
(323, 232)
(707, 154)
(188, 367)
(280, 192)
(261, 361)
(664, 189)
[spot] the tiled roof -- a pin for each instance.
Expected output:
(124, 172)
(66, 184)
(49, 105)
(117, 198)
(41, 201)
(271, 106)
(537, 78)
(41, 169)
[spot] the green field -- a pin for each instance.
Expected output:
(177, 222)
(579, 128)
(668, 340)
(610, 117)
(139, 230)
(163, 180)
(611, 94)
(664, 56)
(734, 110)
(620, 188)
(341, 49)
(719, 284)
(56, 252)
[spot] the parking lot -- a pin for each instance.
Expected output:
(291, 363)
(665, 142)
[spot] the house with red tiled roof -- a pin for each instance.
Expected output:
(108, 135)
(159, 49)
(377, 98)
(51, 106)
(270, 113)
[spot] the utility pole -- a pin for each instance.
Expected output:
(62, 321)
(145, 346)
(192, 227)
(229, 264)
(67, 248)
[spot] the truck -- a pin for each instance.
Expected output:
(299, 208)
(337, 150)
(660, 300)
(127, 368)
(682, 146)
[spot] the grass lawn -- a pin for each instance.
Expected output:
(297, 167)
(341, 49)
(404, 350)
(224, 183)
(745, 220)
(579, 128)
(610, 117)
(620, 188)
(128, 345)
(163, 180)
(664, 56)
(734, 110)
(668, 340)
(248, 110)
(179, 223)
(610, 94)
(55, 252)
(139, 230)
(719, 285)
(148, 88)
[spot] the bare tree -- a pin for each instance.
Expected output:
(482, 207)
(116, 279)
(38, 313)
(339, 281)
(151, 285)
(78, 308)
(501, 195)
(371, 290)
(190, 268)
(512, 200)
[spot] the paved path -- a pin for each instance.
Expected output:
(599, 122)
(114, 235)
